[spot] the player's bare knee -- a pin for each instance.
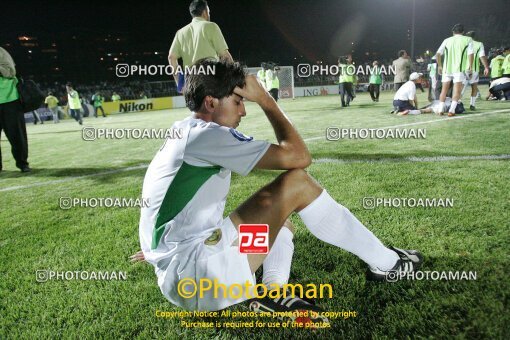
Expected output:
(296, 179)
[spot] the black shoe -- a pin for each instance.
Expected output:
(472, 108)
(291, 307)
(26, 168)
(80, 122)
(410, 261)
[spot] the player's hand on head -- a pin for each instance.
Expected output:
(253, 90)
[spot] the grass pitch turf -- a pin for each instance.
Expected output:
(473, 235)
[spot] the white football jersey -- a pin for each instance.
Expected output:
(187, 184)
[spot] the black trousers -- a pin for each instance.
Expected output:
(346, 94)
(12, 122)
(97, 109)
(496, 91)
(374, 91)
(274, 93)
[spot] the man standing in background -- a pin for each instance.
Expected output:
(115, 97)
(458, 61)
(261, 74)
(272, 82)
(97, 100)
(12, 119)
(479, 54)
(73, 103)
(432, 70)
(198, 40)
(375, 81)
(346, 80)
(402, 67)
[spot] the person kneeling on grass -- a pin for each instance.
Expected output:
(405, 101)
(183, 232)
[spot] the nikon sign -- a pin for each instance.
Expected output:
(138, 105)
(133, 106)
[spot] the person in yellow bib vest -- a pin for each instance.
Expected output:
(73, 103)
(52, 103)
(346, 80)
(506, 62)
(272, 82)
(261, 74)
(115, 97)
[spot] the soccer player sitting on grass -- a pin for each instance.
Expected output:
(184, 234)
(405, 101)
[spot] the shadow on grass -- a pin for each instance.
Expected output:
(77, 172)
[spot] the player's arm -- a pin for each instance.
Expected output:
(485, 63)
(414, 102)
(174, 55)
(471, 56)
(173, 61)
(484, 60)
(291, 151)
(439, 55)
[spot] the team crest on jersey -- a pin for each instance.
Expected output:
(239, 136)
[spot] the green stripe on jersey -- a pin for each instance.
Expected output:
(183, 188)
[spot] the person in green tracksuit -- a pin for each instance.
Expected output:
(12, 120)
(375, 81)
(97, 99)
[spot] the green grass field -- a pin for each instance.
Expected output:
(473, 235)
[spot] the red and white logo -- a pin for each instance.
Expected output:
(254, 238)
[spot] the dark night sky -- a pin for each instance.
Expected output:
(270, 30)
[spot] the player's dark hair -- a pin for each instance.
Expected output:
(458, 29)
(197, 7)
(219, 85)
(401, 53)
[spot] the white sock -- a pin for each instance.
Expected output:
(276, 266)
(453, 106)
(331, 222)
(441, 106)
(414, 112)
(473, 101)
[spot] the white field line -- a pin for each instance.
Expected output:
(322, 160)
(420, 123)
(412, 159)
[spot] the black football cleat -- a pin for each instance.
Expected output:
(410, 261)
